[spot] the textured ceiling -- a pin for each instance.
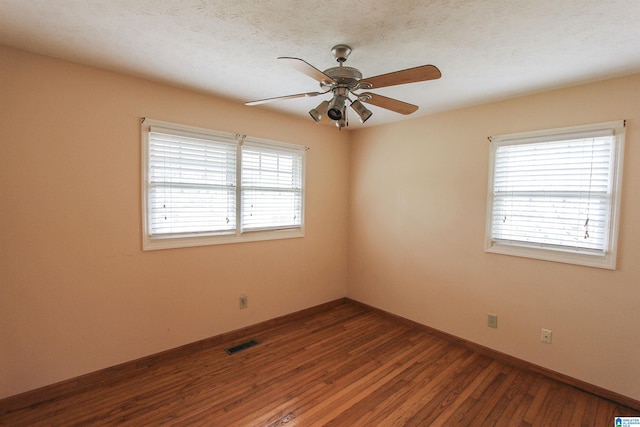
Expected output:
(486, 49)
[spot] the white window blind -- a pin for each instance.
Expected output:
(555, 192)
(192, 185)
(272, 182)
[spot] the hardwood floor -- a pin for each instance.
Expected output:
(344, 366)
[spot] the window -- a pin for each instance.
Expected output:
(554, 194)
(202, 187)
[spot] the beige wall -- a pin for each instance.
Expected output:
(417, 209)
(77, 293)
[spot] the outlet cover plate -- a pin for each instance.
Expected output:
(492, 320)
(545, 336)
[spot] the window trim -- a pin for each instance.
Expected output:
(239, 236)
(584, 257)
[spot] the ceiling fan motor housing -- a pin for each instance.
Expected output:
(344, 76)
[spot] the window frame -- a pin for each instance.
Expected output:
(150, 242)
(601, 259)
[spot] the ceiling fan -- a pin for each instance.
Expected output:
(343, 81)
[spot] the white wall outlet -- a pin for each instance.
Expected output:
(545, 336)
(244, 302)
(492, 320)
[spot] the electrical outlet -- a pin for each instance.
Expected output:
(244, 302)
(545, 336)
(492, 320)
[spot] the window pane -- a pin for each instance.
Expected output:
(553, 193)
(191, 185)
(271, 187)
(271, 209)
(558, 220)
(177, 210)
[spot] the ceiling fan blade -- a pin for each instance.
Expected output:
(279, 98)
(308, 69)
(410, 75)
(387, 103)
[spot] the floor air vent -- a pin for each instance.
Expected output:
(240, 347)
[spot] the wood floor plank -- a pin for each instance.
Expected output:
(344, 365)
(387, 403)
(343, 398)
(443, 362)
(459, 410)
(500, 413)
(489, 402)
(516, 400)
(447, 391)
(538, 400)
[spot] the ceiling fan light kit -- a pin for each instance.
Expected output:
(344, 81)
(316, 113)
(337, 103)
(363, 112)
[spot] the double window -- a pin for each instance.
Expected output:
(202, 187)
(554, 194)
